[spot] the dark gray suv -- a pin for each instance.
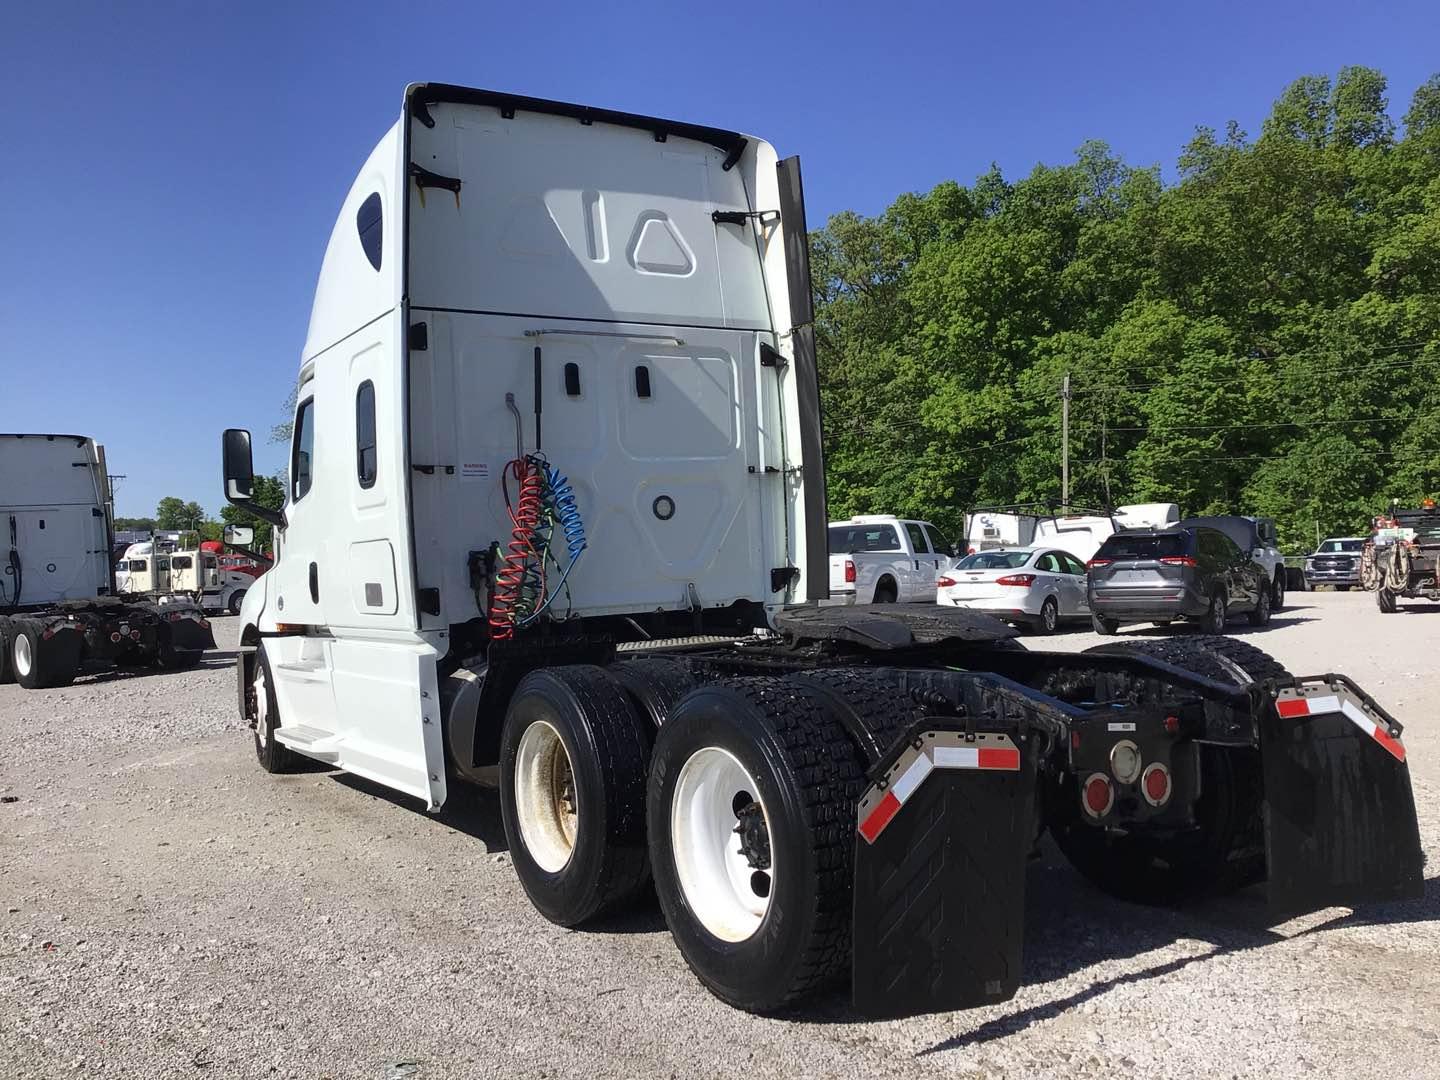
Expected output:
(1160, 575)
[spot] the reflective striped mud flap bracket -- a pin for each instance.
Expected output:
(1340, 827)
(943, 836)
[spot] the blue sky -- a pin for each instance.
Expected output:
(169, 172)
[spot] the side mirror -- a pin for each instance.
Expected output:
(238, 536)
(240, 476)
(239, 470)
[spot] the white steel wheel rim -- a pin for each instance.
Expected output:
(24, 657)
(719, 884)
(546, 804)
(262, 706)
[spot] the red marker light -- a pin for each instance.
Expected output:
(1155, 783)
(1097, 796)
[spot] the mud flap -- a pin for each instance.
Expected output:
(1340, 826)
(940, 854)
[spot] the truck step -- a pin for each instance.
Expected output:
(694, 641)
(313, 741)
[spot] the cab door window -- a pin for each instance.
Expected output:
(917, 538)
(303, 455)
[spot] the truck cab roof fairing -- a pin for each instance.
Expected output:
(420, 95)
(350, 291)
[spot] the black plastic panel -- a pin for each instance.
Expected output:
(1340, 817)
(939, 916)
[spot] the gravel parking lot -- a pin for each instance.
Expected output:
(169, 910)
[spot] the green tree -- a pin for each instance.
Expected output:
(1261, 336)
(174, 513)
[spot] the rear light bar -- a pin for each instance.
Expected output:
(1093, 563)
(850, 570)
(1016, 579)
(1179, 560)
(944, 582)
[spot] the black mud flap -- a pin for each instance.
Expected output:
(1340, 826)
(940, 854)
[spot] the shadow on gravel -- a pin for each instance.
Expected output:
(213, 660)
(468, 809)
(1055, 947)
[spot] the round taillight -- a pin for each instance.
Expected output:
(1097, 796)
(1155, 784)
(1172, 724)
(1125, 761)
(114, 635)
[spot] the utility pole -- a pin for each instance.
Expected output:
(1065, 441)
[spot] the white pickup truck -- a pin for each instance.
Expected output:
(879, 559)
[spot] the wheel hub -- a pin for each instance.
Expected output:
(721, 843)
(750, 827)
(546, 804)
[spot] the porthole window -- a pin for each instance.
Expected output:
(369, 221)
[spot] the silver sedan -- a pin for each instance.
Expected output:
(1036, 588)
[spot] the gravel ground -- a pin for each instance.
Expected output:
(168, 910)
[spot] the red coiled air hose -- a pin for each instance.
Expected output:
(524, 519)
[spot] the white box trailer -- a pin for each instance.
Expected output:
(58, 609)
(556, 519)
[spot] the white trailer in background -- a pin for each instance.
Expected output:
(556, 516)
(1078, 532)
(58, 607)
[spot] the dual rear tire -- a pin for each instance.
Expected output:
(739, 810)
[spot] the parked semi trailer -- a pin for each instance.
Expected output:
(556, 521)
(58, 610)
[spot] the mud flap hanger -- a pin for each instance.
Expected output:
(1340, 824)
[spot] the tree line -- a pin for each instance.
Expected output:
(1260, 336)
(173, 513)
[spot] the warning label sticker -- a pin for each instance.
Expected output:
(474, 470)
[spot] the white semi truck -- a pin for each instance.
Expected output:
(58, 607)
(182, 574)
(556, 519)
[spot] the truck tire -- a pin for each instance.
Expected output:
(885, 591)
(7, 670)
(573, 756)
(1226, 850)
(1385, 599)
(262, 709)
(41, 663)
(1277, 591)
(170, 658)
(870, 706)
(236, 599)
(768, 921)
(655, 684)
